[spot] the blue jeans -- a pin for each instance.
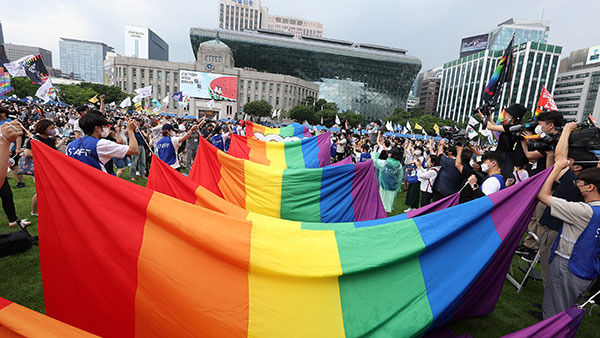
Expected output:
(138, 161)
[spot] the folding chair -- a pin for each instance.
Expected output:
(530, 271)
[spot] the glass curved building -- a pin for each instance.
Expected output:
(367, 79)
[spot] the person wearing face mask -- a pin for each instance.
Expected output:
(492, 162)
(94, 151)
(547, 124)
(512, 154)
(579, 160)
(575, 255)
(45, 131)
(168, 145)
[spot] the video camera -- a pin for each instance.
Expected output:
(457, 137)
(588, 138)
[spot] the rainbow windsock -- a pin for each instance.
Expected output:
(344, 193)
(259, 131)
(154, 266)
(19, 321)
(168, 181)
(310, 152)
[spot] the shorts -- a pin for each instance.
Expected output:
(120, 163)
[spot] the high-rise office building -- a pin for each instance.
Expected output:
(15, 52)
(1, 35)
(83, 59)
(239, 15)
(524, 30)
(143, 43)
(463, 80)
(295, 26)
(577, 85)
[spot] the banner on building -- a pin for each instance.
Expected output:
(208, 86)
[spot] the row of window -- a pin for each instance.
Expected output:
(122, 73)
(569, 84)
(568, 91)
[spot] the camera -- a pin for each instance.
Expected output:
(545, 142)
(587, 138)
(458, 137)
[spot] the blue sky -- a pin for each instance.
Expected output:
(429, 30)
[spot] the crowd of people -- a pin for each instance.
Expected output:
(567, 219)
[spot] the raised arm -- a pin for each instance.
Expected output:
(189, 133)
(458, 162)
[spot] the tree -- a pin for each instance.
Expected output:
(23, 87)
(303, 113)
(258, 108)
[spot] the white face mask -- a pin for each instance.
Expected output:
(418, 153)
(484, 167)
(472, 163)
(105, 132)
(538, 129)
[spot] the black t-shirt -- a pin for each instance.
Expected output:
(510, 145)
(567, 191)
(49, 141)
(468, 194)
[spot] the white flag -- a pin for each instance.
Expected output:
(425, 133)
(388, 126)
(472, 121)
(337, 120)
(137, 99)
(17, 68)
(404, 131)
(211, 104)
(408, 126)
(273, 113)
(484, 132)
(472, 132)
(144, 92)
(46, 91)
(165, 101)
(126, 103)
(278, 113)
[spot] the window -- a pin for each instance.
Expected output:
(143, 73)
(133, 71)
(151, 73)
(159, 75)
(169, 73)
(175, 76)
(125, 72)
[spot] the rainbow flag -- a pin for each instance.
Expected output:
(270, 134)
(19, 321)
(168, 181)
(502, 74)
(152, 265)
(501, 117)
(344, 193)
(5, 86)
(310, 152)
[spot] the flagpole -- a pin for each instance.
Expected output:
(590, 300)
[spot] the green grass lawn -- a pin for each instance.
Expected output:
(21, 282)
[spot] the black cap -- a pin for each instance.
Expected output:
(517, 110)
(167, 127)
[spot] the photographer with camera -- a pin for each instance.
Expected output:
(510, 135)
(541, 153)
(449, 178)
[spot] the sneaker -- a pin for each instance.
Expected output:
(529, 257)
(20, 185)
(523, 250)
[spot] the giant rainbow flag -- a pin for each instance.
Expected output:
(120, 260)
(19, 321)
(168, 181)
(310, 152)
(344, 193)
(290, 132)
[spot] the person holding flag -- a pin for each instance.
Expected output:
(95, 151)
(168, 145)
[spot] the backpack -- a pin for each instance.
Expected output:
(14, 242)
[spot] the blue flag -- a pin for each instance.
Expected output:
(178, 96)
(157, 103)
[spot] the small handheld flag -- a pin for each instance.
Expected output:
(94, 99)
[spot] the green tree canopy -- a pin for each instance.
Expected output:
(258, 108)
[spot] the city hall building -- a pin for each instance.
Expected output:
(213, 83)
(368, 79)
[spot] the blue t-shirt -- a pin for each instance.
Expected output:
(364, 157)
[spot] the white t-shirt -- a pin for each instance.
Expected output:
(490, 185)
(176, 142)
(108, 149)
(77, 128)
